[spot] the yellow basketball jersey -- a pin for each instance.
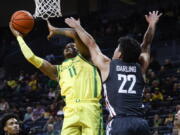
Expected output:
(79, 79)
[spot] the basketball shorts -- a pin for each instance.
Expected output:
(82, 119)
(128, 126)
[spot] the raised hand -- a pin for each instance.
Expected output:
(14, 32)
(52, 30)
(153, 17)
(73, 23)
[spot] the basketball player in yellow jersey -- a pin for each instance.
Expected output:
(79, 81)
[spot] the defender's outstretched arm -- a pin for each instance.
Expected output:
(152, 20)
(97, 57)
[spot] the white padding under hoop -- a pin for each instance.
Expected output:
(47, 8)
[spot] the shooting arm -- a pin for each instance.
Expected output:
(28, 54)
(47, 68)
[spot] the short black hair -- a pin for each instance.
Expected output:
(129, 48)
(6, 117)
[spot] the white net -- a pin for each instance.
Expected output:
(47, 8)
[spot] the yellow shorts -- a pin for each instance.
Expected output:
(82, 119)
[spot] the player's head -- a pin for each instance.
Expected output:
(70, 50)
(10, 124)
(128, 50)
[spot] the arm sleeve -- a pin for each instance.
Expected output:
(28, 54)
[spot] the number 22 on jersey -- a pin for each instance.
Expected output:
(125, 79)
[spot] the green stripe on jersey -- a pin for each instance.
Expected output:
(95, 82)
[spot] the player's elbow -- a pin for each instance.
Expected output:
(48, 74)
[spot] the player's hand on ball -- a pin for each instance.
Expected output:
(153, 17)
(73, 23)
(15, 32)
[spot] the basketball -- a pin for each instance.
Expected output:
(22, 21)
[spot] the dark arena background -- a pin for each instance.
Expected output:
(23, 88)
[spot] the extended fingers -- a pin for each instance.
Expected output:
(67, 20)
(160, 14)
(146, 16)
(157, 12)
(154, 13)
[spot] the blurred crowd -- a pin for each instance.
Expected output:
(35, 99)
(162, 95)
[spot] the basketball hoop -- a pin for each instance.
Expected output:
(47, 8)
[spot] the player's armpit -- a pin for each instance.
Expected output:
(49, 70)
